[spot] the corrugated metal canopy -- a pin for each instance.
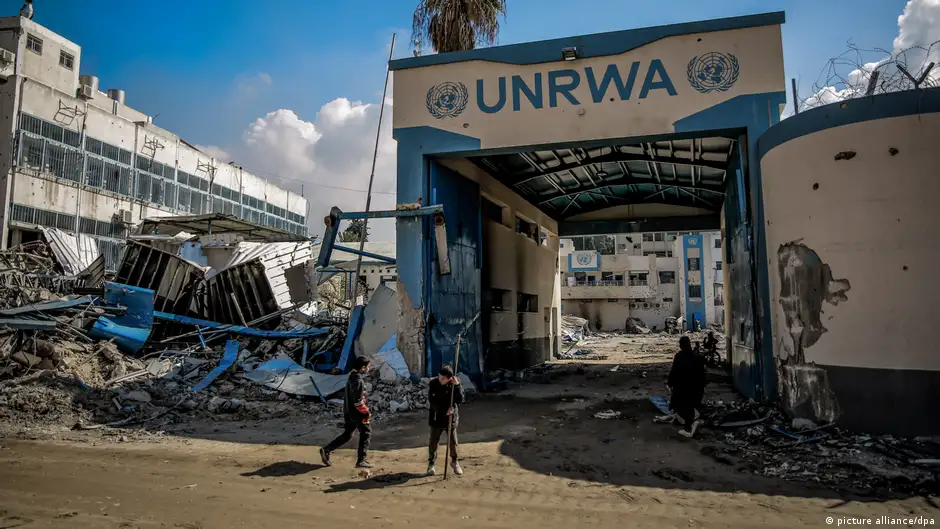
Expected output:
(216, 223)
(570, 181)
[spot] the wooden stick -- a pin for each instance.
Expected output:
(450, 420)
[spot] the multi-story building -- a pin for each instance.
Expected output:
(79, 159)
(607, 279)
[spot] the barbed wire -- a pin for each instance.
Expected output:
(862, 72)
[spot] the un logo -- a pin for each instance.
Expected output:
(447, 100)
(713, 72)
(584, 259)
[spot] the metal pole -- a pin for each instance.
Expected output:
(796, 100)
(375, 156)
(450, 420)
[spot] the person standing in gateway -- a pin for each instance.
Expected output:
(356, 415)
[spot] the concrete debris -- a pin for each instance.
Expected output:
(635, 326)
(573, 328)
(764, 441)
(607, 414)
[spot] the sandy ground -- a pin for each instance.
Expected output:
(533, 457)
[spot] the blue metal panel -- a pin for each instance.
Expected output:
(352, 334)
(597, 45)
(413, 186)
(694, 309)
(455, 298)
(238, 329)
(754, 114)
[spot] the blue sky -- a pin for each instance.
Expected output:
(189, 62)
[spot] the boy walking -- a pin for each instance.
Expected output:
(356, 415)
(441, 414)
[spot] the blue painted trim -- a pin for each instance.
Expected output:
(883, 106)
(592, 144)
(594, 45)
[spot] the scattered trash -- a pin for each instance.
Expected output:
(607, 414)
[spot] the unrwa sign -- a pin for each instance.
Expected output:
(709, 72)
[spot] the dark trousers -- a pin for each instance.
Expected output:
(365, 434)
(685, 405)
(435, 441)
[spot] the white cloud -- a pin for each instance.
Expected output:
(914, 46)
(215, 152)
(329, 158)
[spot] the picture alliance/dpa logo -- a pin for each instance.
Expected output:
(706, 73)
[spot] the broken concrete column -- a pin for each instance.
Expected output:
(411, 333)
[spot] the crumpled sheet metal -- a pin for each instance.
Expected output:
(283, 374)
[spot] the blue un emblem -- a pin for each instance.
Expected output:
(584, 259)
(447, 100)
(713, 72)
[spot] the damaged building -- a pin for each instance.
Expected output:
(674, 129)
(87, 163)
(650, 277)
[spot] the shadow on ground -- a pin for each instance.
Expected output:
(553, 431)
(283, 468)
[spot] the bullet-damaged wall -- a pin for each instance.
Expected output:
(853, 240)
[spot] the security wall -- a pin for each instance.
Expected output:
(853, 241)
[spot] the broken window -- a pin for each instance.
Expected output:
(718, 265)
(658, 237)
(717, 243)
(639, 279)
(526, 228)
(667, 300)
(695, 291)
(496, 299)
(667, 277)
(527, 302)
(491, 210)
(647, 237)
(693, 264)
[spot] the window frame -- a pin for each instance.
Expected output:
(66, 57)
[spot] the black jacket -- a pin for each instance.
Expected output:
(687, 376)
(439, 403)
(354, 399)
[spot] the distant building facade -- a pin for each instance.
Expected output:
(79, 159)
(652, 276)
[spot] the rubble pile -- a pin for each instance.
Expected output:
(764, 441)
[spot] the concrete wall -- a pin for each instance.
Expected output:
(515, 264)
(853, 241)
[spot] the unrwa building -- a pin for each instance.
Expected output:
(652, 129)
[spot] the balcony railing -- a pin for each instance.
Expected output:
(639, 283)
(607, 283)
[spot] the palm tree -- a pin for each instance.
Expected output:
(457, 25)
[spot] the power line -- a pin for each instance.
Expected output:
(307, 182)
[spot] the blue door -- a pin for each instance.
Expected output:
(455, 298)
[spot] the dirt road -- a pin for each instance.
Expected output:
(535, 458)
